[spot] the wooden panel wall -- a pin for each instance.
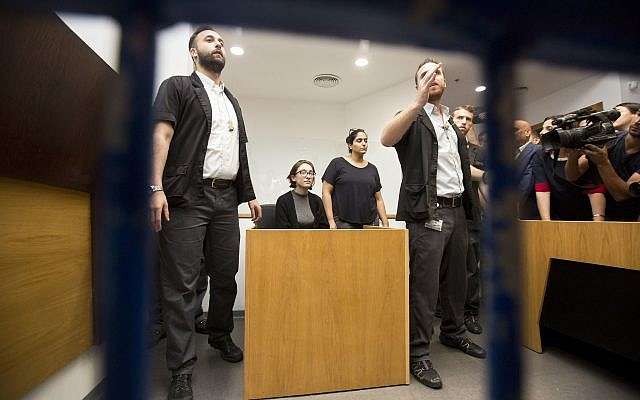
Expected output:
(54, 102)
(45, 282)
(615, 244)
(57, 96)
(325, 311)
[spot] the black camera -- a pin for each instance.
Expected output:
(598, 130)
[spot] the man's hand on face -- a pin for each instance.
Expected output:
(424, 81)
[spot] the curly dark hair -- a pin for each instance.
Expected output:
(294, 170)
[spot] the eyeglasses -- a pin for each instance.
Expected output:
(306, 173)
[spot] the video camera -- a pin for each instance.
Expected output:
(598, 131)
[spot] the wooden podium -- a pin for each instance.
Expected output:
(326, 310)
(613, 244)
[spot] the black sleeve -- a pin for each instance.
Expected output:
(377, 180)
(331, 173)
(318, 212)
(538, 169)
(282, 220)
(166, 107)
(246, 192)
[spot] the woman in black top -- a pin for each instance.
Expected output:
(351, 187)
(300, 208)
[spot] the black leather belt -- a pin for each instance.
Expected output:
(450, 202)
(218, 183)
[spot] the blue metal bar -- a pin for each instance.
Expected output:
(123, 207)
(501, 233)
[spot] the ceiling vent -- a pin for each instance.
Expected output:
(326, 80)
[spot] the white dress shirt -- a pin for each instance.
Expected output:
(520, 149)
(449, 181)
(223, 149)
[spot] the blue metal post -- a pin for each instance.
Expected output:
(123, 209)
(501, 233)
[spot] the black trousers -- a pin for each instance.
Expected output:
(437, 263)
(472, 305)
(209, 230)
(155, 305)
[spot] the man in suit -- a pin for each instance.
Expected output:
(527, 207)
(436, 199)
(200, 174)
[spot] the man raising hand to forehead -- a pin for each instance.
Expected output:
(436, 199)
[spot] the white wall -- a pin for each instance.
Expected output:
(281, 132)
(102, 34)
(627, 94)
(601, 87)
(73, 382)
(172, 55)
(371, 113)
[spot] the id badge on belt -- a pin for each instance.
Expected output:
(434, 224)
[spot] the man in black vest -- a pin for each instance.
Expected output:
(436, 199)
(200, 174)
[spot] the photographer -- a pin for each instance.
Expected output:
(629, 115)
(618, 164)
(558, 199)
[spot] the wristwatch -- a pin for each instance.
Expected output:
(155, 188)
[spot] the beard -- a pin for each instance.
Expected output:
(436, 94)
(211, 62)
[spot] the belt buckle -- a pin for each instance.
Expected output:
(213, 182)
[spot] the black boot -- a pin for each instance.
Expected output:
(228, 350)
(180, 388)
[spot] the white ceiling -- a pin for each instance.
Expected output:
(282, 66)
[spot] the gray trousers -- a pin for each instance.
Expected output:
(209, 230)
(437, 262)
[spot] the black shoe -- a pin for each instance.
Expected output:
(155, 335)
(228, 350)
(180, 388)
(201, 324)
(424, 373)
(463, 344)
(472, 324)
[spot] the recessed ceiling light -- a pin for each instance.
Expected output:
(481, 88)
(361, 62)
(237, 50)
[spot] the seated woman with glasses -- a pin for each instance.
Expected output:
(300, 208)
(351, 187)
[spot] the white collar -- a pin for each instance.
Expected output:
(523, 146)
(210, 84)
(429, 108)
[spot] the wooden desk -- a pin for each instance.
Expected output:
(325, 311)
(589, 242)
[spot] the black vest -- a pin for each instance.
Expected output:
(185, 99)
(418, 156)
